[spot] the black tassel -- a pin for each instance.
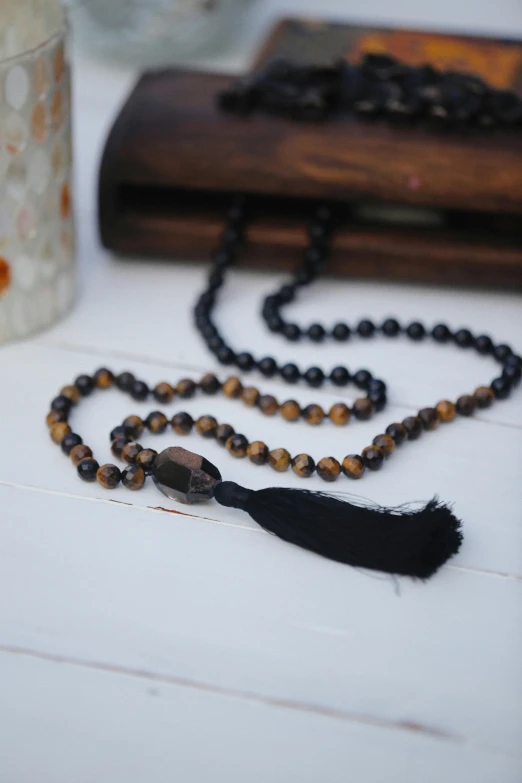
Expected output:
(411, 543)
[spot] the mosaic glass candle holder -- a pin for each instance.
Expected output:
(37, 270)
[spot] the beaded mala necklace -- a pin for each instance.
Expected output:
(407, 542)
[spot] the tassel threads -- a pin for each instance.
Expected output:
(409, 543)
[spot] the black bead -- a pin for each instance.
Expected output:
(463, 338)
(378, 399)
(125, 381)
(275, 323)
(267, 367)
(222, 258)
(314, 377)
(304, 276)
(340, 376)
(512, 374)
(316, 333)
(483, 344)
(362, 378)
(441, 333)
(373, 458)
(397, 432)
(513, 361)
(501, 352)
(61, 404)
(140, 391)
(215, 343)
(286, 294)
(416, 331)
(292, 332)
(225, 355)
(118, 432)
(341, 332)
(390, 327)
(231, 237)
(208, 330)
(501, 388)
(85, 384)
(245, 361)
(87, 469)
(375, 385)
(69, 442)
(366, 328)
(290, 373)
(313, 257)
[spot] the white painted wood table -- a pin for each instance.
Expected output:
(140, 645)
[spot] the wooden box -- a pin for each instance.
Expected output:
(422, 206)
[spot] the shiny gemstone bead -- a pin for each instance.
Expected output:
(362, 409)
(328, 468)
(413, 426)
(415, 331)
(313, 414)
(69, 441)
(163, 393)
(279, 459)
(441, 333)
(365, 328)
(267, 367)
(108, 476)
(373, 457)
(87, 469)
(59, 431)
(484, 396)
(118, 432)
(117, 446)
(314, 377)
(362, 378)
(223, 433)
(72, 393)
(133, 426)
(206, 426)
(186, 388)
(316, 333)
(245, 361)
(463, 338)
(341, 332)
(466, 405)
(257, 452)
(501, 388)
(290, 373)
(209, 384)
(146, 459)
(185, 476)
(290, 410)
(125, 381)
(446, 410)
(339, 414)
(139, 391)
(430, 418)
(353, 466)
(182, 423)
(61, 404)
(303, 465)
(103, 378)
(292, 332)
(397, 432)
(133, 477)
(250, 396)
(483, 344)
(390, 327)
(78, 453)
(340, 376)
(84, 384)
(156, 422)
(53, 417)
(501, 352)
(232, 387)
(130, 451)
(268, 404)
(237, 445)
(385, 443)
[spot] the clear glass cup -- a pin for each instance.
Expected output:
(37, 269)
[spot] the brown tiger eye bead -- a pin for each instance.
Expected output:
(237, 445)
(209, 384)
(118, 444)
(430, 418)
(313, 414)
(103, 378)
(130, 451)
(182, 423)
(186, 388)
(328, 469)
(446, 410)
(79, 452)
(53, 417)
(206, 426)
(362, 409)
(279, 459)
(146, 458)
(257, 452)
(413, 426)
(373, 457)
(484, 396)
(59, 431)
(466, 405)
(339, 414)
(133, 477)
(397, 432)
(223, 433)
(109, 476)
(290, 410)
(163, 392)
(353, 466)
(267, 404)
(133, 426)
(303, 465)
(386, 443)
(156, 422)
(250, 396)
(72, 393)
(232, 387)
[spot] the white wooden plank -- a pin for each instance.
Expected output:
(62, 723)
(179, 597)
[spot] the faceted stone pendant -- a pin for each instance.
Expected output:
(185, 476)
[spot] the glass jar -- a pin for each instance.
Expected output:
(37, 270)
